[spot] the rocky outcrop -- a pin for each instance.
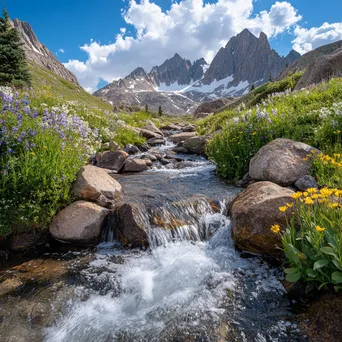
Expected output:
(80, 223)
(307, 60)
(28, 240)
(94, 184)
(254, 212)
(112, 160)
(282, 161)
(39, 54)
(322, 69)
(131, 226)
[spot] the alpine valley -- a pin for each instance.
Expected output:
(179, 85)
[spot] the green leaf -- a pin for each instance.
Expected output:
(322, 285)
(311, 273)
(337, 264)
(337, 277)
(328, 250)
(320, 263)
(291, 270)
(293, 277)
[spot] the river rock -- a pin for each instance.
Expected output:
(131, 225)
(114, 146)
(79, 223)
(112, 160)
(148, 156)
(171, 127)
(195, 144)
(131, 149)
(156, 141)
(253, 213)
(94, 184)
(306, 182)
(135, 165)
(151, 127)
(281, 162)
(176, 138)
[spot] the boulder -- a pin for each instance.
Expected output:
(245, 181)
(112, 160)
(189, 128)
(180, 149)
(176, 138)
(80, 223)
(156, 141)
(148, 162)
(135, 165)
(151, 127)
(94, 184)
(254, 211)
(306, 182)
(131, 225)
(212, 106)
(196, 144)
(131, 149)
(148, 156)
(282, 161)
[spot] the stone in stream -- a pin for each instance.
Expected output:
(131, 225)
(176, 138)
(112, 160)
(195, 144)
(80, 223)
(155, 141)
(131, 149)
(151, 127)
(28, 240)
(94, 184)
(282, 161)
(135, 165)
(171, 127)
(254, 211)
(189, 128)
(148, 156)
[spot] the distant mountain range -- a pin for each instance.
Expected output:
(179, 85)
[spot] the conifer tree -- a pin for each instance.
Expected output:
(13, 65)
(160, 111)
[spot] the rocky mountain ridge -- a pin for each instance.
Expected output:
(38, 53)
(179, 85)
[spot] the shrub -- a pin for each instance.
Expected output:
(312, 242)
(41, 152)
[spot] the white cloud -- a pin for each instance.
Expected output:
(190, 27)
(61, 50)
(309, 39)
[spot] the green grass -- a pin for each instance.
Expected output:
(312, 116)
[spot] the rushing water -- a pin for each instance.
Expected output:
(192, 285)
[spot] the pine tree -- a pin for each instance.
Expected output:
(252, 87)
(160, 111)
(270, 78)
(13, 65)
(146, 108)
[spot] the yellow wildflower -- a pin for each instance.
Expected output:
(275, 228)
(312, 190)
(290, 205)
(305, 194)
(325, 192)
(306, 159)
(333, 205)
(297, 195)
(254, 133)
(315, 196)
(283, 209)
(320, 229)
(309, 201)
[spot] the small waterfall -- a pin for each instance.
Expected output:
(185, 220)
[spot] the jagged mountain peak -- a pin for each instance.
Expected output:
(38, 53)
(138, 72)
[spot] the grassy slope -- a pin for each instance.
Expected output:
(46, 81)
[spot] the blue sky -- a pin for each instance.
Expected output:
(69, 25)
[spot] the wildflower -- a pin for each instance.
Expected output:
(320, 229)
(309, 201)
(289, 205)
(283, 209)
(275, 228)
(305, 194)
(297, 195)
(312, 190)
(254, 133)
(325, 192)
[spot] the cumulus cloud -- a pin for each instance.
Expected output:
(309, 39)
(192, 28)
